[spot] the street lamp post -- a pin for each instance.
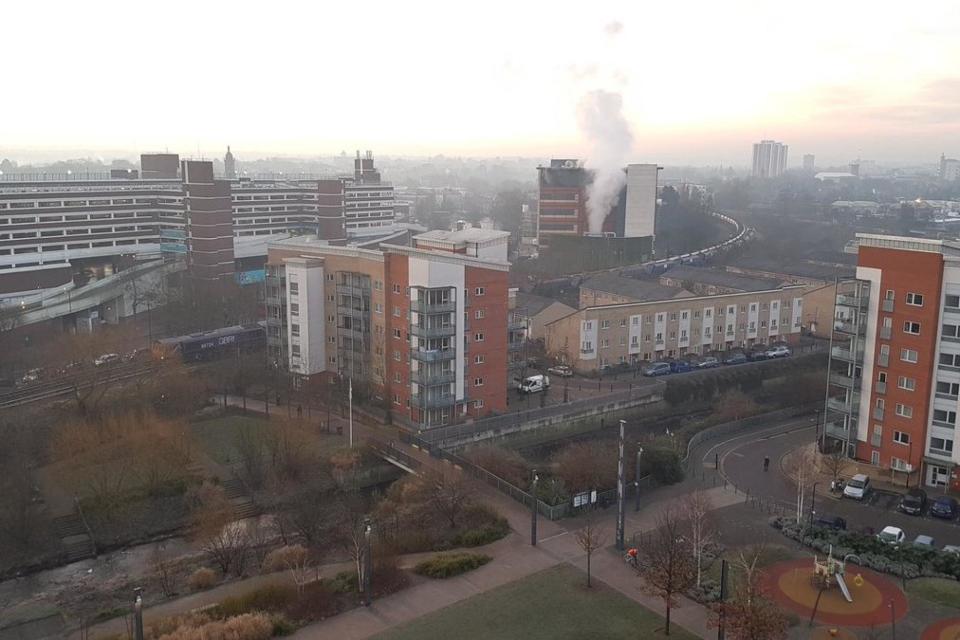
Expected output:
(367, 561)
(138, 613)
(533, 508)
(636, 478)
(813, 498)
(620, 488)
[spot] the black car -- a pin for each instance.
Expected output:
(832, 522)
(759, 353)
(944, 507)
(913, 502)
(735, 358)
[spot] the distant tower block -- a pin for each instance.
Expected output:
(229, 165)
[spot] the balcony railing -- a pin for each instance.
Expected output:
(353, 290)
(435, 355)
(433, 332)
(423, 306)
(433, 402)
(876, 439)
(880, 386)
(840, 405)
(836, 429)
(885, 333)
(883, 359)
(877, 413)
(841, 353)
(887, 306)
(843, 380)
(856, 302)
(427, 378)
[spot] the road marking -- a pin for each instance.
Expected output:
(735, 453)
(548, 538)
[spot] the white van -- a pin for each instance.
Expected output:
(533, 384)
(857, 488)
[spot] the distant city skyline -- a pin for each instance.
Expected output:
(484, 81)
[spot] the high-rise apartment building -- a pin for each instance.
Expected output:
(949, 168)
(769, 159)
(229, 165)
(894, 377)
(424, 326)
(809, 163)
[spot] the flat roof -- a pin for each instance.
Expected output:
(472, 234)
(639, 290)
(721, 278)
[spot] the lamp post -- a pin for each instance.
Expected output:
(620, 488)
(367, 561)
(813, 498)
(138, 613)
(533, 508)
(636, 478)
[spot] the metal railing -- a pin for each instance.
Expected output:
(887, 306)
(422, 306)
(436, 355)
(428, 378)
(433, 332)
(433, 402)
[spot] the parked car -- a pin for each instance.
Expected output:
(735, 358)
(913, 502)
(680, 366)
(857, 487)
(892, 535)
(31, 376)
(924, 541)
(561, 371)
(657, 369)
(709, 362)
(759, 353)
(107, 358)
(534, 384)
(952, 548)
(832, 522)
(779, 351)
(944, 507)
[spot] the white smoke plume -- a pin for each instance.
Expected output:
(608, 136)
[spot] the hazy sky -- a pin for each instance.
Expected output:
(701, 80)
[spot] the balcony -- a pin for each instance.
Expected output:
(880, 386)
(433, 402)
(885, 333)
(887, 306)
(353, 290)
(837, 429)
(855, 302)
(841, 353)
(517, 325)
(428, 378)
(423, 306)
(843, 406)
(433, 332)
(843, 380)
(434, 355)
(883, 359)
(352, 311)
(877, 413)
(848, 326)
(876, 440)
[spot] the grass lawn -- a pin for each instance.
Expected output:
(219, 437)
(937, 590)
(553, 604)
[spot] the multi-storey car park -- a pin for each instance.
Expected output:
(54, 226)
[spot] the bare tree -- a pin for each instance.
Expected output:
(222, 538)
(295, 559)
(834, 461)
(799, 468)
(450, 496)
(749, 615)
(351, 530)
(162, 569)
(667, 568)
(590, 537)
(696, 508)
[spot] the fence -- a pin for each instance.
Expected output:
(459, 434)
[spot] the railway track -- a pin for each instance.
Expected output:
(53, 389)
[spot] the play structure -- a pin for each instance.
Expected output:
(831, 572)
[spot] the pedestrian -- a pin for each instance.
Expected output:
(766, 463)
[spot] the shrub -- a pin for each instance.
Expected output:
(202, 578)
(663, 465)
(344, 582)
(271, 597)
(447, 565)
(249, 626)
(282, 626)
(481, 536)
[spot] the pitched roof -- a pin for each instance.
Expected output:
(721, 278)
(633, 288)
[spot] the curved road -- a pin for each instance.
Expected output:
(741, 462)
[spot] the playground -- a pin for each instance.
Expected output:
(835, 591)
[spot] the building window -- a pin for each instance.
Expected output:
(479, 314)
(904, 410)
(891, 294)
(948, 388)
(478, 337)
(604, 324)
(377, 307)
(915, 299)
(906, 383)
(941, 444)
(479, 291)
(909, 355)
(396, 288)
(897, 464)
(478, 359)
(911, 327)
(396, 398)
(396, 312)
(623, 322)
(294, 309)
(623, 340)
(295, 330)
(294, 288)
(397, 378)
(950, 359)
(478, 404)
(940, 415)
(635, 320)
(952, 302)
(295, 350)
(396, 334)
(605, 343)
(901, 437)
(396, 355)
(950, 331)
(478, 382)
(586, 347)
